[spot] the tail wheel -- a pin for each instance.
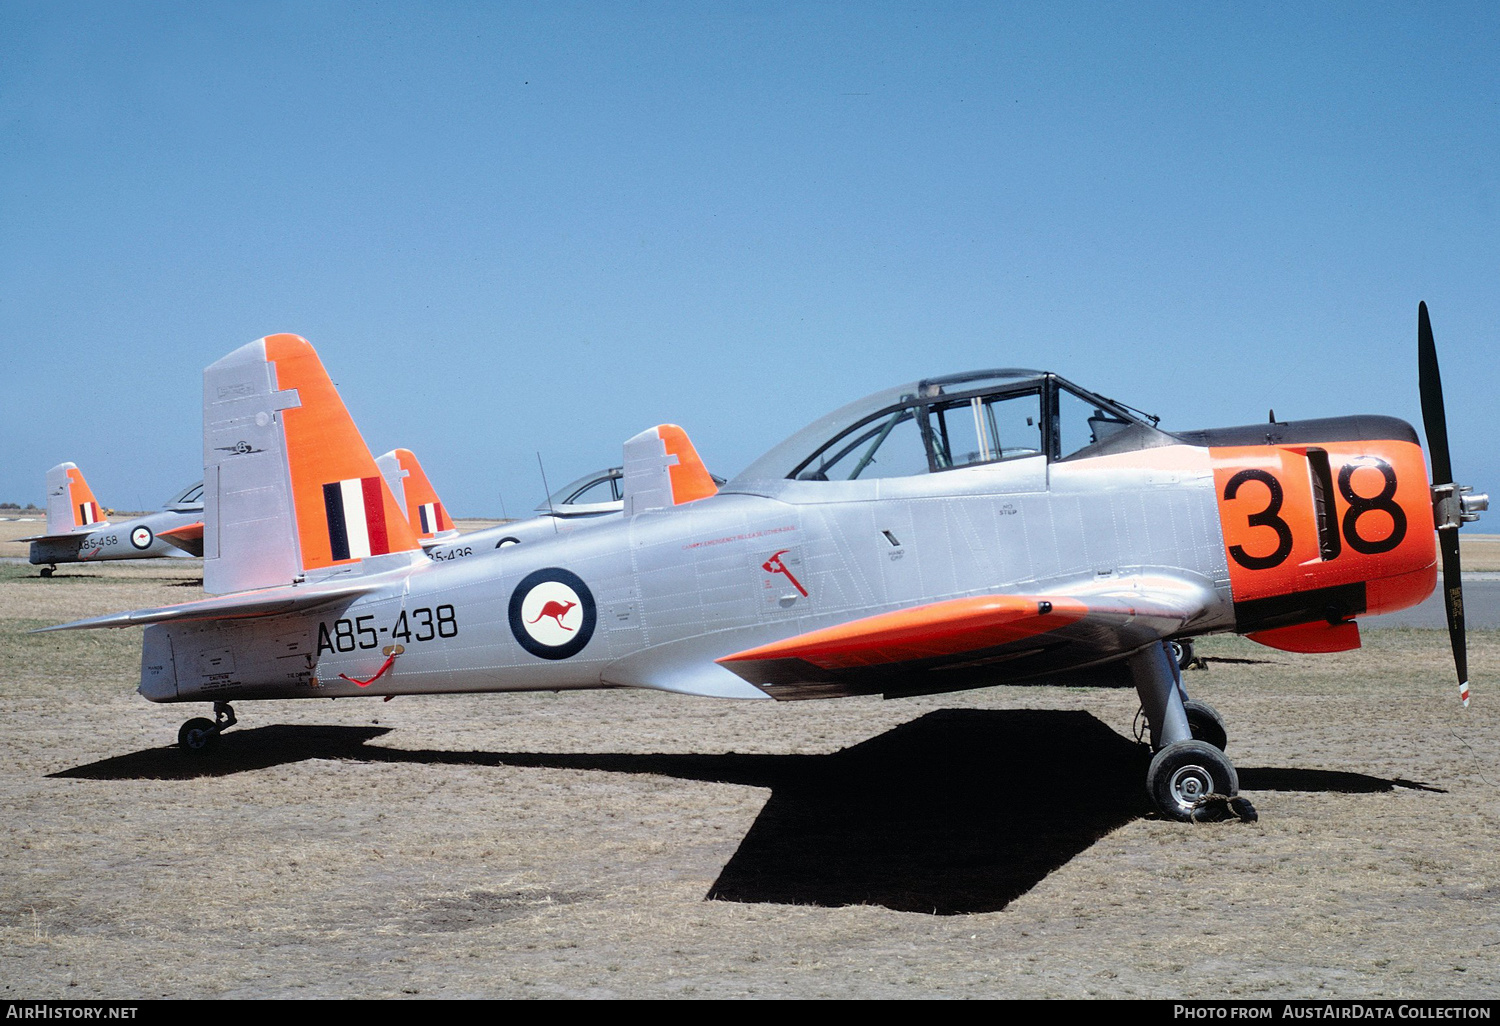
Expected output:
(1206, 723)
(197, 734)
(1192, 781)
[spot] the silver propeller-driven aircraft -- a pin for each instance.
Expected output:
(957, 532)
(78, 530)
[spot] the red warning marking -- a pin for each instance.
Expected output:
(774, 565)
(378, 673)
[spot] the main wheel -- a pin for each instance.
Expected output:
(46, 571)
(1206, 723)
(1184, 775)
(197, 734)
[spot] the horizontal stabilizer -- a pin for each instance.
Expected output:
(270, 602)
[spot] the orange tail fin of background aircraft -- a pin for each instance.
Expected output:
(425, 512)
(71, 505)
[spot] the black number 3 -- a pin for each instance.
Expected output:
(1265, 518)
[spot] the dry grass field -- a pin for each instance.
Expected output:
(992, 843)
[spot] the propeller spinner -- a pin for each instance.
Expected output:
(1452, 504)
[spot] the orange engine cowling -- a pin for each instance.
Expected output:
(1317, 533)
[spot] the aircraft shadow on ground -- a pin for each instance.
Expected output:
(958, 811)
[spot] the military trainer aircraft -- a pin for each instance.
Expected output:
(956, 532)
(77, 530)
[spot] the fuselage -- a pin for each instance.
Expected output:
(1282, 525)
(138, 538)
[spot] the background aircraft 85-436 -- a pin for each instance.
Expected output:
(955, 532)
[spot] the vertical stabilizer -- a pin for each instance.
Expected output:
(71, 506)
(290, 488)
(663, 469)
(395, 476)
(425, 512)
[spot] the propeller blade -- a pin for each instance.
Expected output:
(1453, 601)
(1435, 421)
(1430, 383)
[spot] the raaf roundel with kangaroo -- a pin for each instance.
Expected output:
(964, 531)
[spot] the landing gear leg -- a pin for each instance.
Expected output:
(1159, 683)
(1190, 778)
(199, 734)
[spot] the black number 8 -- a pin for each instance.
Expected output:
(1359, 506)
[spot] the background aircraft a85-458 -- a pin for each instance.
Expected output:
(78, 529)
(956, 532)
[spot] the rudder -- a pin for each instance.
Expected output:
(71, 506)
(415, 494)
(290, 488)
(662, 468)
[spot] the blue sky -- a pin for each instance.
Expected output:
(513, 228)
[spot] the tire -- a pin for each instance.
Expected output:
(1206, 724)
(1182, 651)
(197, 734)
(1183, 774)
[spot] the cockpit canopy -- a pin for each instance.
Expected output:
(939, 424)
(189, 500)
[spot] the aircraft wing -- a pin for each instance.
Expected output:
(188, 538)
(266, 602)
(945, 645)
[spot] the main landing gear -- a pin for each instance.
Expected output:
(1190, 778)
(48, 571)
(198, 734)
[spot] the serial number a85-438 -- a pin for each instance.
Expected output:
(423, 624)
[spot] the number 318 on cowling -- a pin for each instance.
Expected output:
(1329, 529)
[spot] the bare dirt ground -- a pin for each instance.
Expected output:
(992, 843)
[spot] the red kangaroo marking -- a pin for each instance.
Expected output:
(774, 565)
(557, 610)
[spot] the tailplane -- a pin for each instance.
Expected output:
(291, 491)
(71, 506)
(414, 493)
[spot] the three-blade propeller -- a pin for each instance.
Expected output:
(1452, 504)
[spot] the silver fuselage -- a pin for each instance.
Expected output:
(137, 538)
(674, 589)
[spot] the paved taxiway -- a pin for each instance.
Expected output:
(1481, 607)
